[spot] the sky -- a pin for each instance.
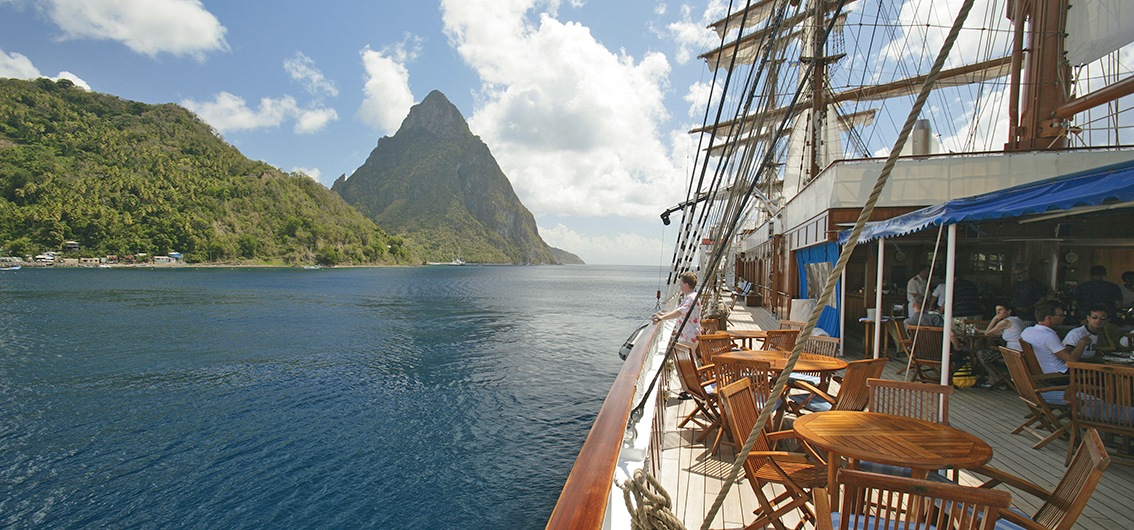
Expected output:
(584, 104)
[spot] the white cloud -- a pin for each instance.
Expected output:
(228, 112)
(693, 36)
(313, 120)
(924, 26)
(620, 249)
(573, 125)
(18, 66)
(148, 27)
(983, 125)
(387, 93)
(74, 79)
(302, 69)
(314, 173)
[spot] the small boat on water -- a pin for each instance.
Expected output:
(11, 268)
(803, 95)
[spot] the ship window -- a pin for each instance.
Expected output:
(817, 274)
(987, 261)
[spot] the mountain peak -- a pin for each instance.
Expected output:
(435, 116)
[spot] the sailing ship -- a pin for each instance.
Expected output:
(807, 96)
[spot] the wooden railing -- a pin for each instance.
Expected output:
(582, 503)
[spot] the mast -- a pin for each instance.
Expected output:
(1045, 83)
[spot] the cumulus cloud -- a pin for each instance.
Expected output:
(692, 35)
(228, 112)
(620, 249)
(387, 96)
(148, 27)
(314, 173)
(574, 125)
(313, 120)
(302, 70)
(73, 78)
(18, 66)
(923, 28)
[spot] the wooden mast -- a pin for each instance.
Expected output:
(1045, 83)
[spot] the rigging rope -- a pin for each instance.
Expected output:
(844, 256)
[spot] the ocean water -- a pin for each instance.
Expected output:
(428, 397)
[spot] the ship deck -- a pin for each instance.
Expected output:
(694, 477)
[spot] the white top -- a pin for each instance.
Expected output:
(1127, 296)
(1011, 335)
(693, 326)
(1045, 342)
(916, 286)
(939, 293)
(1072, 340)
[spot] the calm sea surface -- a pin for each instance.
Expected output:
(429, 397)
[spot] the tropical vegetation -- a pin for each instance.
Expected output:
(122, 177)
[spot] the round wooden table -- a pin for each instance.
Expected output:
(894, 440)
(745, 336)
(808, 362)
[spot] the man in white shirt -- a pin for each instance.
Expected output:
(1127, 289)
(917, 287)
(1085, 339)
(1051, 353)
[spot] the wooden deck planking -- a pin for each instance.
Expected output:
(989, 414)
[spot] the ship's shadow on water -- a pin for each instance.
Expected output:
(358, 398)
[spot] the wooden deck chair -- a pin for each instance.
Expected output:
(710, 345)
(853, 392)
(710, 325)
(1046, 407)
(1102, 398)
(903, 343)
(885, 502)
(1034, 365)
(792, 324)
(732, 369)
(1062, 506)
(923, 401)
(827, 346)
(781, 339)
(816, 345)
(912, 400)
(701, 389)
(799, 476)
(742, 290)
(926, 354)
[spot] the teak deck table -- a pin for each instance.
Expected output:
(894, 440)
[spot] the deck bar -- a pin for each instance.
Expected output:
(582, 503)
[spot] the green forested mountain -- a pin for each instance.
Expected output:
(438, 184)
(122, 177)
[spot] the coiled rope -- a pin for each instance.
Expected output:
(655, 510)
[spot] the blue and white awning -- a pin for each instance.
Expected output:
(1093, 187)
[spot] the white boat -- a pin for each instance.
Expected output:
(10, 268)
(786, 162)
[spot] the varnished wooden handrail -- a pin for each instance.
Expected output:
(582, 503)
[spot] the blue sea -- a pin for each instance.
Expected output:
(427, 397)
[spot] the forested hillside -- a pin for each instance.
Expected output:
(122, 177)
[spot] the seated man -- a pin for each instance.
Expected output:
(1095, 334)
(917, 318)
(1051, 353)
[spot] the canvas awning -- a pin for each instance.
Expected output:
(1114, 183)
